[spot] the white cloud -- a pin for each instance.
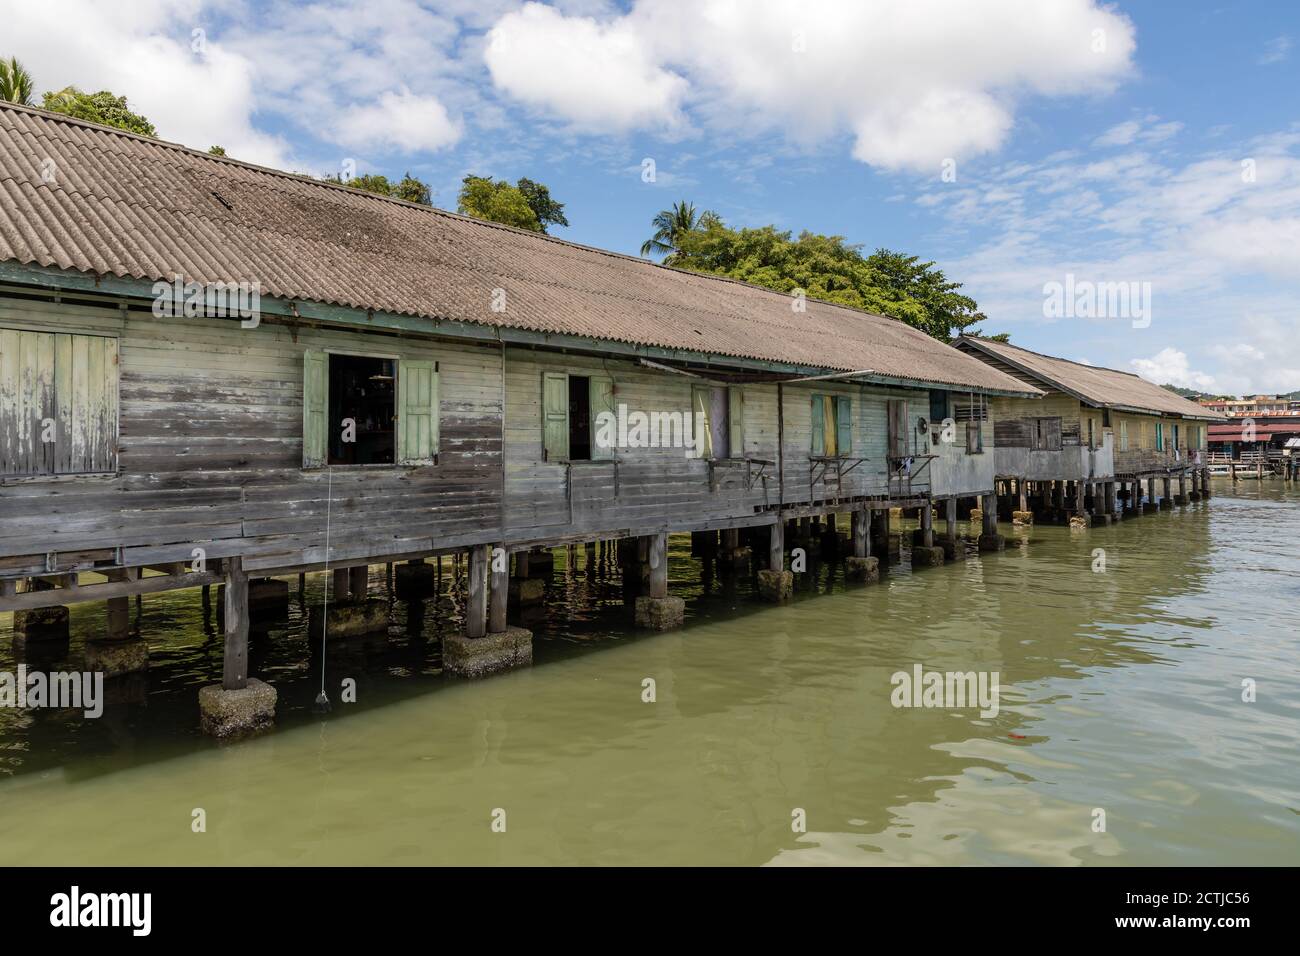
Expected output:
(913, 83)
(1275, 51)
(1169, 366)
(594, 75)
(146, 51)
(400, 120)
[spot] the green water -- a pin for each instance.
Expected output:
(1120, 691)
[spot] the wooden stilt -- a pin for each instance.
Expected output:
(499, 593)
(234, 675)
(476, 604)
(658, 556)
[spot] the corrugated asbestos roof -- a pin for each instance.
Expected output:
(1103, 387)
(134, 207)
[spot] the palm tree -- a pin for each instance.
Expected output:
(15, 83)
(670, 225)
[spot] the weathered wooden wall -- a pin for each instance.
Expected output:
(210, 450)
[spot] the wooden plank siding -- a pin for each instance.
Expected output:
(209, 443)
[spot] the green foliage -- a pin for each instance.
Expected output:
(409, 188)
(497, 201)
(546, 209)
(102, 107)
(217, 150)
(824, 267)
(15, 83)
(413, 190)
(671, 225)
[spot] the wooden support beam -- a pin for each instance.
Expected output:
(342, 587)
(658, 555)
(102, 592)
(776, 546)
(927, 526)
(862, 533)
(358, 582)
(989, 509)
(234, 674)
(476, 603)
(950, 518)
(500, 591)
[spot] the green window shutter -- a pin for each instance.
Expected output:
(58, 403)
(701, 399)
(844, 424)
(601, 400)
(417, 411)
(818, 426)
(555, 416)
(1160, 436)
(315, 402)
(736, 421)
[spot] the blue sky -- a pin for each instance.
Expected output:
(1155, 144)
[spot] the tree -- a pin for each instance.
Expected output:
(217, 150)
(945, 311)
(673, 224)
(410, 188)
(15, 83)
(102, 107)
(546, 209)
(413, 190)
(822, 267)
(497, 201)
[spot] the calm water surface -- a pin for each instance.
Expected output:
(1120, 690)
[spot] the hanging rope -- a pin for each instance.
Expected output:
(322, 705)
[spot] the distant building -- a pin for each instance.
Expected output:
(1253, 406)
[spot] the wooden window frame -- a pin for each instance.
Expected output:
(113, 440)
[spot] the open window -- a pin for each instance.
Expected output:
(974, 412)
(832, 426)
(571, 409)
(368, 410)
(1046, 434)
(58, 403)
(719, 420)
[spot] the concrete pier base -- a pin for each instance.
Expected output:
(489, 654)
(351, 618)
(414, 580)
(113, 658)
(42, 625)
(524, 591)
(1180, 500)
(775, 586)
(1083, 521)
(927, 557)
(1022, 517)
(954, 548)
(1149, 508)
(1166, 503)
(227, 713)
(992, 542)
(660, 613)
(1194, 496)
(737, 558)
(862, 569)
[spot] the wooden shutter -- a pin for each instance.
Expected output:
(818, 426)
(555, 416)
(843, 425)
(897, 408)
(1053, 434)
(58, 403)
(417, 411)
(315, 404)
(736, 422)
(1160, 436)
(701, 421)
(601, 392)
(1123, 435)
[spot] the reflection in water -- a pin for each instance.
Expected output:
(1121, 692)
